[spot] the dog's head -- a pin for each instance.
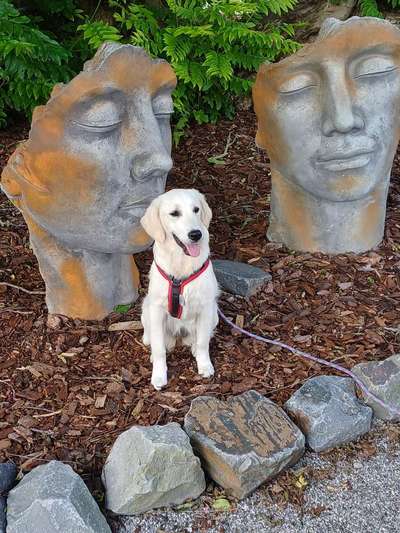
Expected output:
(179, 215)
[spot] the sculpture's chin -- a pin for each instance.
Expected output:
(341, 188)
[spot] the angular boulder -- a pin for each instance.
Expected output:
(382, 378)
(3, 518)
(52, 498)
(239, 278)
(328, 412)
(8, 473)
(150, 467)
(244, 441)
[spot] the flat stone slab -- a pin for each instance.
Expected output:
(52, 498)
(244, 441)
(328, 412)
(239, 278)
(150, 467)
(382, 378)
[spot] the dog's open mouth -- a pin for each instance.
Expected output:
(192, 250)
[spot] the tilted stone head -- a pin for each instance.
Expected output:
(328, 117)
(97, 154)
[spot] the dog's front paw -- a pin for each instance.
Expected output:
(205, 369)
(159, 378)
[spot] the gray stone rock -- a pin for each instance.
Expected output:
(382, 378)
(3, 520)
(52, 498)
(328, 412)
(239, 278)
(8, 473)
(150, 467)
(244, 441)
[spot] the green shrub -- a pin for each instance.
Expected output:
(214, 46)
(370, 8)
(31, 62)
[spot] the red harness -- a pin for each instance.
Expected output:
(175, 289)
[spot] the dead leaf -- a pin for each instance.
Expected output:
(131, 325)
(5, 444)
(100, 401)
(345, 286)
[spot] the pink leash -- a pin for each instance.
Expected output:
(391, 408)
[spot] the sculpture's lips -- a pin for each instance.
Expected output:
(345, 160)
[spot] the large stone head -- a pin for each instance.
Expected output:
(329, 115)
(98, 153)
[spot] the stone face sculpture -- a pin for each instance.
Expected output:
(328, 117)
(97, 154)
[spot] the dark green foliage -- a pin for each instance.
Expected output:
(31, 62)
(370, 8)
(214, 46)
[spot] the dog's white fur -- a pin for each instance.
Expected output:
(199, 316)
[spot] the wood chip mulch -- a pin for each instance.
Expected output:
(68, 390)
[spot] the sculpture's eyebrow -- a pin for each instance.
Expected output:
(315, 64)
(378, 49)
(105, 93)
(167, 87)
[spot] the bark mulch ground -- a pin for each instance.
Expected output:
(66, 392)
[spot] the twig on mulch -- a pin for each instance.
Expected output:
(20, 288)
(16, 311)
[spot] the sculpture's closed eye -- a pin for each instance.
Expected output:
(298, 83)
(97, 128)
(162, 106)
(99, 116)
(374, 66)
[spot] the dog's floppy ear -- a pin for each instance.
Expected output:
(151, 221)
(206, 213)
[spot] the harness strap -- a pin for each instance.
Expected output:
(175, 289)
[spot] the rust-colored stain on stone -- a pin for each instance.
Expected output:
(81, 300)
(291, 204)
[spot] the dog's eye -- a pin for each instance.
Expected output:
(175, 213)
(196, 210)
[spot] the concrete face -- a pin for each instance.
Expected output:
(97, 154)
(328, 117)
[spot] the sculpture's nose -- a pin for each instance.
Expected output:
(340, 115)
(150, 165)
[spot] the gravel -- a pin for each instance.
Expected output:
(361, 495)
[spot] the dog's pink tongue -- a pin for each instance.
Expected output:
(193, 250)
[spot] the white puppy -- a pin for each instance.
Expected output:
(183, 290)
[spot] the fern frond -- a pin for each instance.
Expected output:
(369, 8)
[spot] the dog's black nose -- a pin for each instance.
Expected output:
(195, 235)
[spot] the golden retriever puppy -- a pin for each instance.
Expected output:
(183, 291)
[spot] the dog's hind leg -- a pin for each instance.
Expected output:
(170, 342)
(146, 324)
